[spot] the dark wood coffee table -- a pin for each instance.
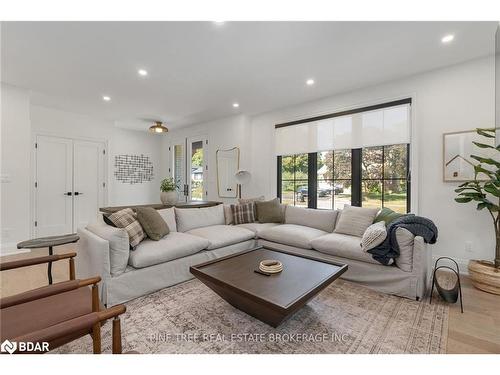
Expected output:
(274, 298)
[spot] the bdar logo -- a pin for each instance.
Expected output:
(8, 346)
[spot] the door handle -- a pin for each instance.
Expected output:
(186, 191)
(68, 193)
(78, 193)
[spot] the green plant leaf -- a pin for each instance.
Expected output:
(462, 200)
(486, 160)
(488, 133)
(492, 189)
(482, 145)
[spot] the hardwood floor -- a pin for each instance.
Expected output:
(477, 330)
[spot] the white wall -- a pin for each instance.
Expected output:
(222, 134)
(120, 141)
(457, 98)
(15, 166)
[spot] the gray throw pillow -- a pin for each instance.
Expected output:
(152, 223)
(269, 211)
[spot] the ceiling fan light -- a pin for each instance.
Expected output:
(158, 128)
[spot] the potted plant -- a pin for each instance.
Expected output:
(485, 275)
(168, 190)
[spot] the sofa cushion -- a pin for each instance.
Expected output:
(127, 219)
(405, 241)
(257, 227)
(342, 245)
(191, 218)
(152, 223)
(292, 234)
(168, 214)
(119, 248)
(269, 211)
(319, 219)
(222, 235)
(355, 220)
(174, 245)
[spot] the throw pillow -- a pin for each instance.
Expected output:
(387, 215)
(152, 223)
(105, 217)
(355, 220)
(243, 213)
(228, 214)
(252, 200)
(374, 235)
(126, 219)
(269, 211)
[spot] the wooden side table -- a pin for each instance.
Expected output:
(49, 242)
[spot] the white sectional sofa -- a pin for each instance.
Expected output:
(201, 234)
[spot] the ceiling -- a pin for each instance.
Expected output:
(197, 70)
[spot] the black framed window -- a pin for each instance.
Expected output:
(384, 178)
(368, 177)
(294, 171)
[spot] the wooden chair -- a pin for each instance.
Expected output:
(57, 313)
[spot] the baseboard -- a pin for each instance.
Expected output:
(462, 263)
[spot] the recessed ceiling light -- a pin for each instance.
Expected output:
(447, 38)
(142, 72)
(219, 22)
(310, 82)
(106, 98)
(236, 105)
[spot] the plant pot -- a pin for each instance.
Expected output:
(485, 276)
(169, 197)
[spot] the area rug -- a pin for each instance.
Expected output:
(343, 318)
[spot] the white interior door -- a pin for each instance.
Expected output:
(53, 186)
(88, 181)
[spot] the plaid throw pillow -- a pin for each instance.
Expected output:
(243, 213)
(127, 220)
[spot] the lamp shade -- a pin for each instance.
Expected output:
(242, 177)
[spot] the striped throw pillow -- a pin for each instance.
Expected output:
(243, 213)
(127, 220)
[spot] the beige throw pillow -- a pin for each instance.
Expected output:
(374, 235)
(355, 220)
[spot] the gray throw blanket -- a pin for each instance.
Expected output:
(419, 226)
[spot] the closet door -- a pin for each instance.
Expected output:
(53, 186)
(88, 181)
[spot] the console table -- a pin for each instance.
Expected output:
(160, 206)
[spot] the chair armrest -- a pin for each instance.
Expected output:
(34, 261)
(46, 291)
(72, 326)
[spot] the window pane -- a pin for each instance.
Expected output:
(371, 193)
(371, 163)
(301, 161)
(325, 165)
(341, 194)
(342, 164)
(395, 195)
(287, 192)
(395, 163)
(197, 171)
(287, 167)
(325, 196)
(301, 193)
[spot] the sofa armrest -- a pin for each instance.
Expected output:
(93, 256)
(421, 263)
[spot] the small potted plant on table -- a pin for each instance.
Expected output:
(485, 275)
(168, 190)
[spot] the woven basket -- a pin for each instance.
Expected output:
(485, 276)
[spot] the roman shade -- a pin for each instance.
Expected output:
(377, 127)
